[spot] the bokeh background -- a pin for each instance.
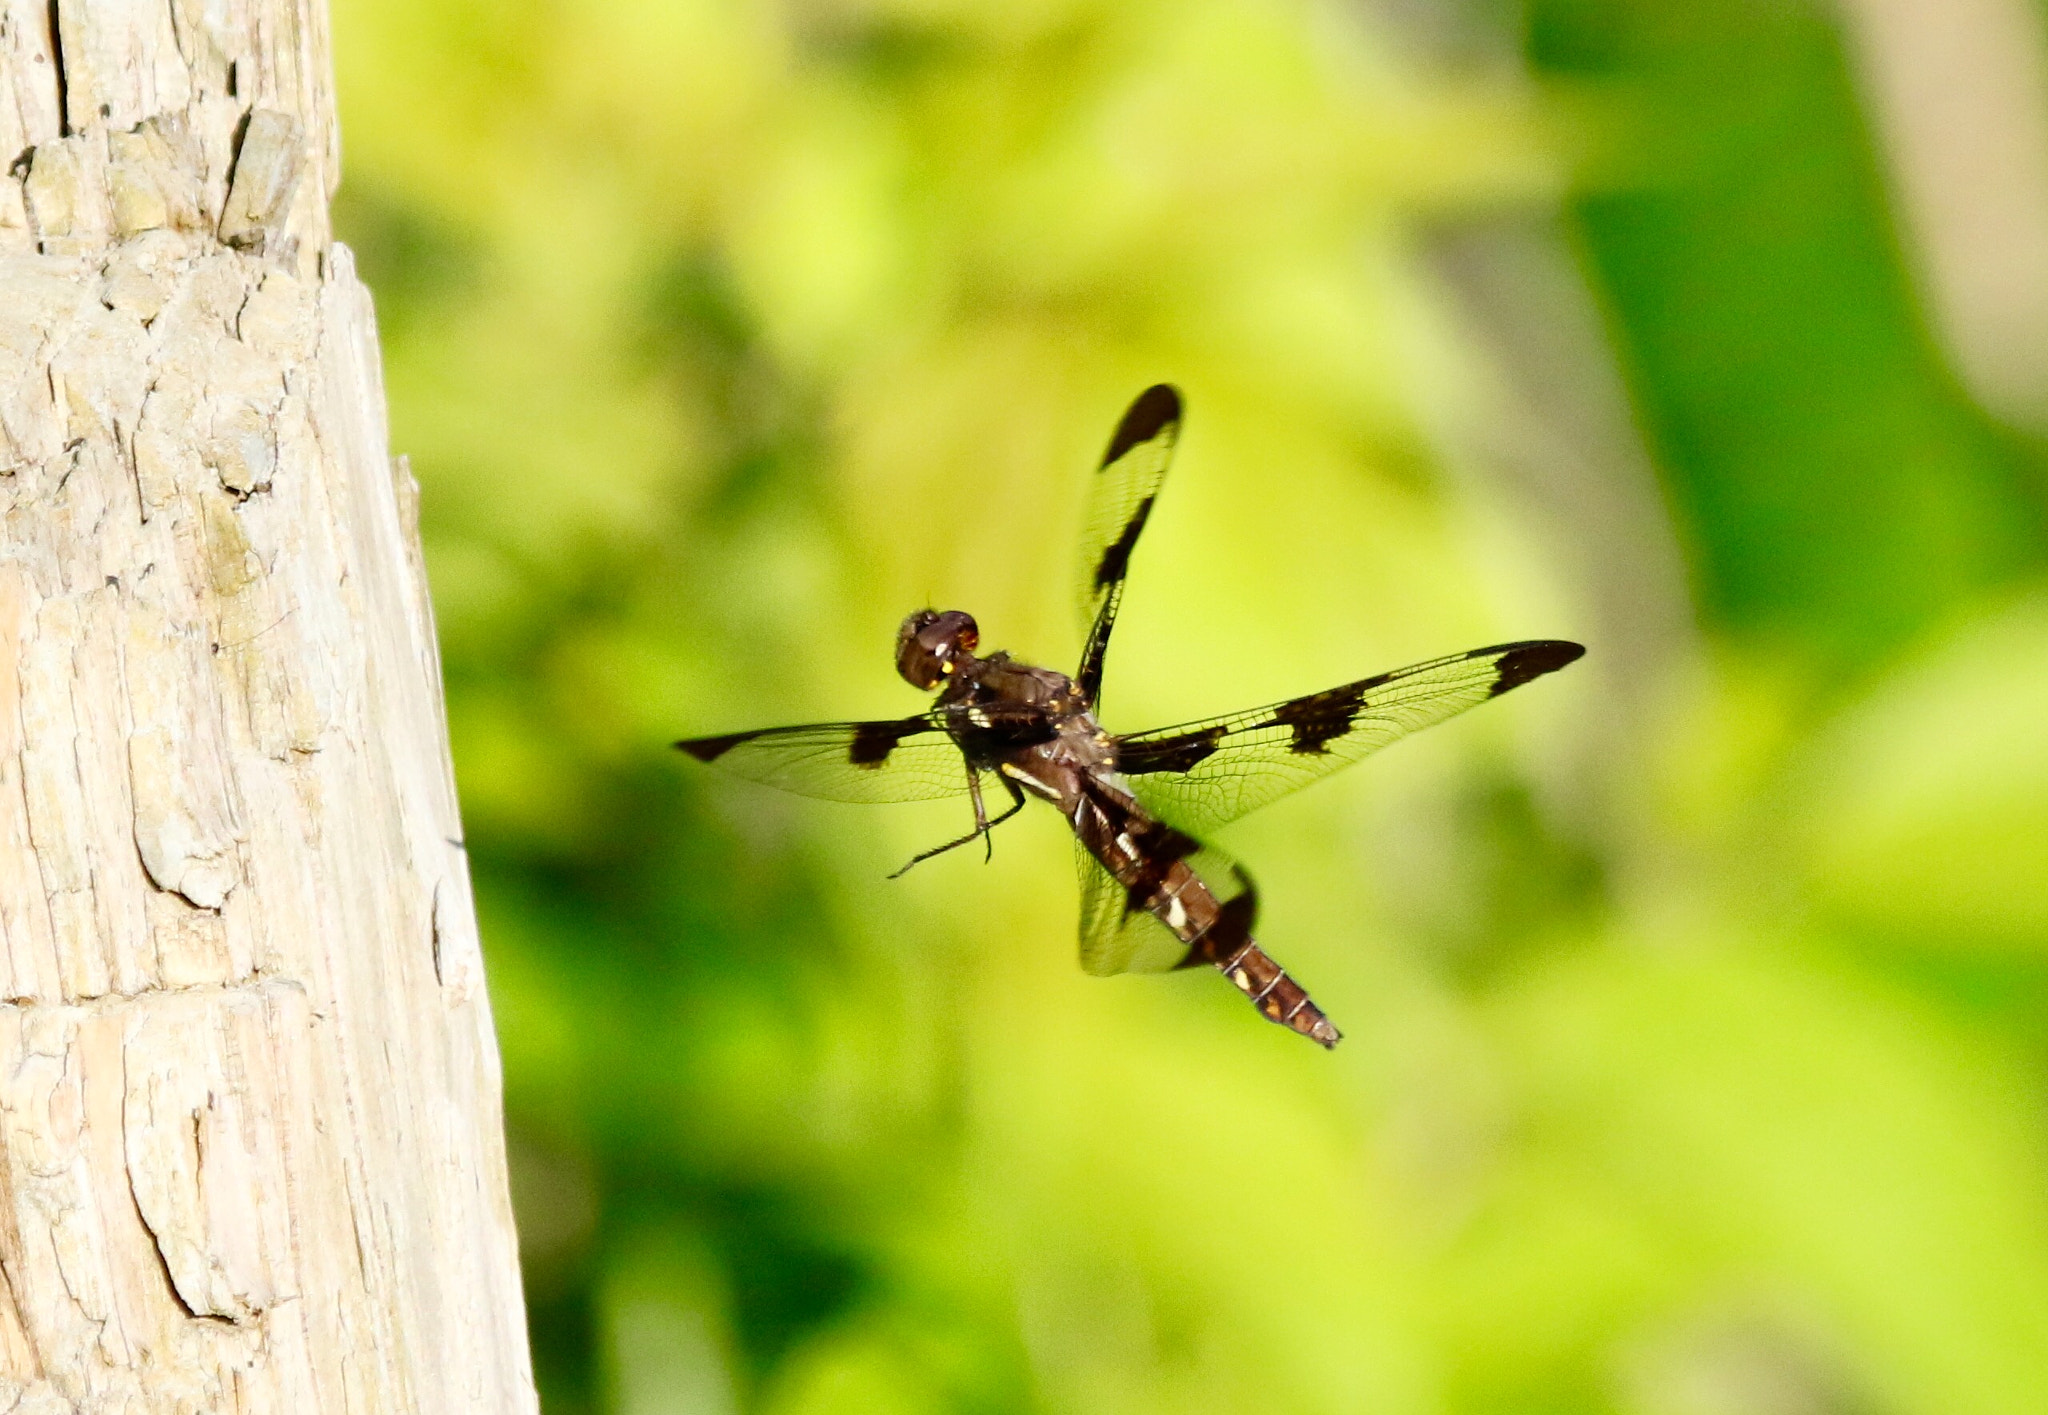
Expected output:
(1695, 998)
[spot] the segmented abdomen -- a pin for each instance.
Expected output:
(1202, 896)
(1277, 996)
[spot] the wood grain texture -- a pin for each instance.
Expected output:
(251, 1153)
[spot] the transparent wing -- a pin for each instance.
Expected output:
(1119, 501)
(1114, 937)
(1200, 775)
(1135, 869)
(898, 759)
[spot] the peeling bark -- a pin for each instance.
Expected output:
(251, 1155)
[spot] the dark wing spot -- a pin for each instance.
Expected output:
(1380, 680)
(1320, 718)
(1160, 847)
(1524, 662)
(1182, 753)
(873, 741)
(1227, 937)
(710, 749)
(1153, 410)
(1116, 556)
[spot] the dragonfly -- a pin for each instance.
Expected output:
(1155, 895)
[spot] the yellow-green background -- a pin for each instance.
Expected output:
(1694, 998)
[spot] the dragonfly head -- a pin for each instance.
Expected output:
(932, 646)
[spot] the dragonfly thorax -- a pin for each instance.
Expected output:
(932, 646)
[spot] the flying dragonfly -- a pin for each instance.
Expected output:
(1154, 897)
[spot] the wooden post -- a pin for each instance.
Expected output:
(251, 1154)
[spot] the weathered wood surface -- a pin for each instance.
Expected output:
(251, 1155)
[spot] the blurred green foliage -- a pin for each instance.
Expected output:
(1694, 998)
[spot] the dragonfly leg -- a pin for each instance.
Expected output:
(982, 824)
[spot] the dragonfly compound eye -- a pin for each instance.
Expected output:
(931, 645)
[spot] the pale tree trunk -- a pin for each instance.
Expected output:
(251, 1154)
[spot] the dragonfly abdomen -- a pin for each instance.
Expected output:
(1163, 875)
(1269, 988)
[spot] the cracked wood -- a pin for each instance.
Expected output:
(251, 1155)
